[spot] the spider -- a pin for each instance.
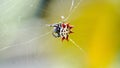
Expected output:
(61, 30)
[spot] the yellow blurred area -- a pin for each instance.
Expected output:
(95, 25)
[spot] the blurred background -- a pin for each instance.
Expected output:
(26, 41)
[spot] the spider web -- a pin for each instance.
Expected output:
(73, 5)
